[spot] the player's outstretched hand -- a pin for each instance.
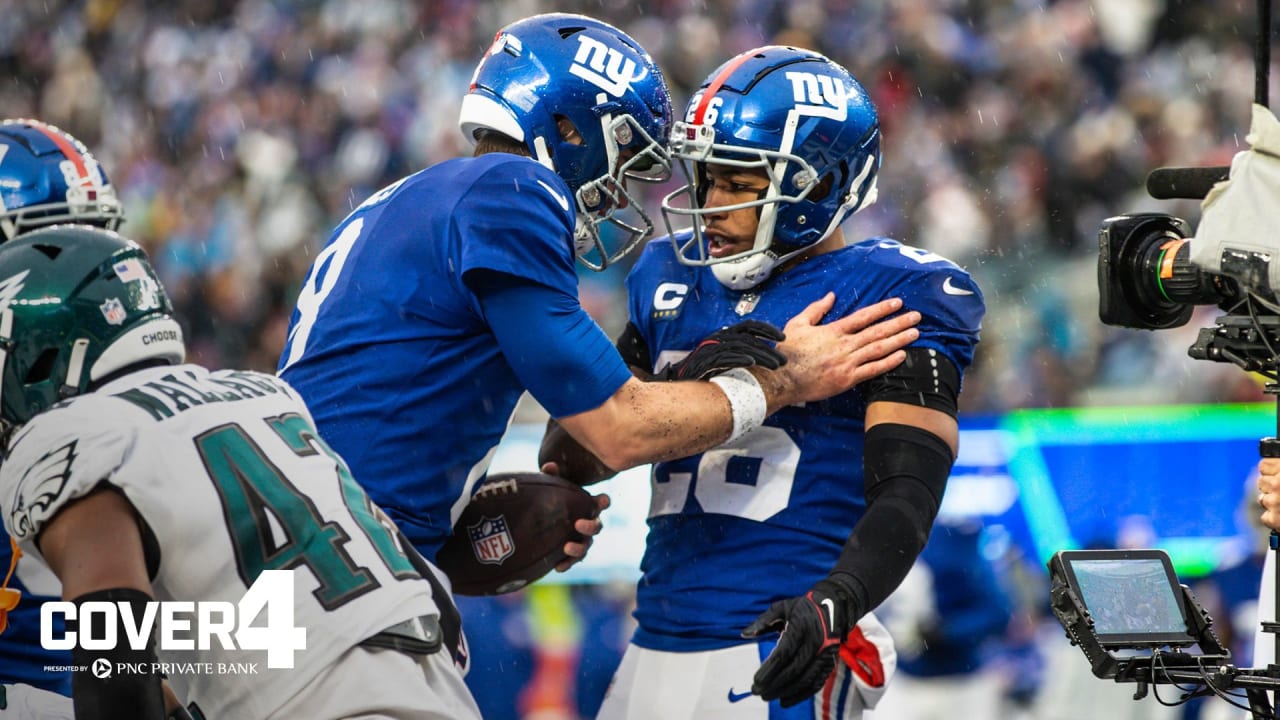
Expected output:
(827, 359)
(588, 528)
(812, 626)
(748, 343)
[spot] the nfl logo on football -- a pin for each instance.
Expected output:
(490, 540)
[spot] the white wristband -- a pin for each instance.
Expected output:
(747, 402)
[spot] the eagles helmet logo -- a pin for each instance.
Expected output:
(39, 488)
(10, 287)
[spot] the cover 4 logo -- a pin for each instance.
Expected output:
(190, 625)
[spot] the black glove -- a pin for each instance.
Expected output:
(748, 343)
(813, 626)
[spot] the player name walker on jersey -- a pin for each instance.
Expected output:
(793, 488)
(229, 479)
(171, 393)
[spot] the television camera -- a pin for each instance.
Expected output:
(1126, 609)
(1151, 274)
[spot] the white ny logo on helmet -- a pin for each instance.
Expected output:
(603, 66)
(820, 95)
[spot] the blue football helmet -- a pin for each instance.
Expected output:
(803, 120)
(48, 177)
(558, 66)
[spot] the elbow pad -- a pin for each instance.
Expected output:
(906, 471)
(926, 378)
(633, 349)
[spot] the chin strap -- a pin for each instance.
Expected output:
(748, 272)
(9, 597)
(75, 367)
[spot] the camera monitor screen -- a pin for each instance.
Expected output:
(1133, 596)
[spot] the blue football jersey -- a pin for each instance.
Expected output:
(390, 349)
(764, 517)
(22, 660)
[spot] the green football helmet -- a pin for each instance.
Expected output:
(77, 303)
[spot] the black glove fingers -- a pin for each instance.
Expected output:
(742, 345)
(735, 357)
(765, 682)
(812, 680)
(772, 620)
(769, 358)
(807, 650)
(751, 353)
(781, 669)
(772, 333)
(756, 328)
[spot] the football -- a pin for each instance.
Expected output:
(513, 532)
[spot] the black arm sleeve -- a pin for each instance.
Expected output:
(116, 694)
(906, 471)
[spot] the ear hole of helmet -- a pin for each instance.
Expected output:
(568, 131)
(42, 368)
(819, 193)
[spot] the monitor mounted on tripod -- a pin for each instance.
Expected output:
(1132, 597)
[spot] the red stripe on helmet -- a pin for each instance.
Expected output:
(66, 147)
(719, 82)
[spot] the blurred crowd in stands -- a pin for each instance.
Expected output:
(240, 133)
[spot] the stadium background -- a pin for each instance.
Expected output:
(237, 134)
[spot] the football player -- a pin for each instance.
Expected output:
(46, 177)
(445, 296)
(805, 524)
(135, 478)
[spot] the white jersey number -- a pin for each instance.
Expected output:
(924, 257)
(750, 478)
(315, 291)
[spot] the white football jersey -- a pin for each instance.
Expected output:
(230, 478)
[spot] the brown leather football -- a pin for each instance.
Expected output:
(513, 532)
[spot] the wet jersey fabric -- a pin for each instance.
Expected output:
(764, 517)
(390, 344)
(229, 477)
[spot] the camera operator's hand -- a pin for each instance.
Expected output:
(1269, 492)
